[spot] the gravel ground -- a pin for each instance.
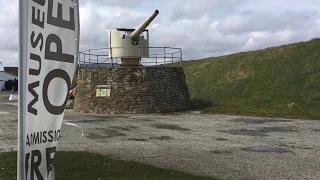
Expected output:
(228, 147)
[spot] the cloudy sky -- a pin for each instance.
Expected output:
(202, 28)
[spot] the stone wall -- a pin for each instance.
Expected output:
(133, 90)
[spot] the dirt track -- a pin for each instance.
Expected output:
(228, 147)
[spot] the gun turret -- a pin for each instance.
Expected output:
(137, 32)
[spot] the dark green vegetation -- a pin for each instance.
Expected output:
(86, 166)
(12, 70)
(280, 81)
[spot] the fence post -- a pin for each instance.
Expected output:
(172, 58)
(164, 49)
(84, 60)
(110, 55)
(139, 58)
(97, 60)
(111, 62)
(89, 59)
(180, 57)
(79, 60)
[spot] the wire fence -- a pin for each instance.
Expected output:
(158, 56)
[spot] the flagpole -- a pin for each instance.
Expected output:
(23, 45)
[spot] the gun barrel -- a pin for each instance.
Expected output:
(137, 32)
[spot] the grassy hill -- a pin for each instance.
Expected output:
(280, 81)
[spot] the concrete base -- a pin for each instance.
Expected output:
(130, 62)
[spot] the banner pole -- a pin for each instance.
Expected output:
(23, 45)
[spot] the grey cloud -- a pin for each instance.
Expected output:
(9, 40)
(194, 9)
(196, 38)
(9, 57)
(250, 21)
(275, 39)
(8, 24)
(115, 3)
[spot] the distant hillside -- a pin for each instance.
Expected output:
(281, 81)
(12, 70)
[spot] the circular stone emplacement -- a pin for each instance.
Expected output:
(132, 90)
(267, 149)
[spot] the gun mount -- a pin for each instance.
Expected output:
(130, 44)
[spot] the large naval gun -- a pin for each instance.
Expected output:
(132, 45)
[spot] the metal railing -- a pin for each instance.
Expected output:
(158, 56)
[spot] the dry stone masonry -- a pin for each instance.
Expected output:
(132, 90)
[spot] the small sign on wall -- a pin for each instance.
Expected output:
(103, 90)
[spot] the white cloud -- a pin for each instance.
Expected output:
(201, 28)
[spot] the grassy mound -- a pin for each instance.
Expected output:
(280, 81)
(81, 165)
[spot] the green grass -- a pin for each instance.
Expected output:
(87, 166)
(280, 81)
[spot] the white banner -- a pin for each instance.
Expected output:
(49, 45)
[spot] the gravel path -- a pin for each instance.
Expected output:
(228, 147)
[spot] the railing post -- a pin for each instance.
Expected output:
(111, 62)
(164, 49)
(110, 56)
(84, 60)
(97, 60)
(172, 58)
(180, 57)
(156, 60)
(89, 59)
(79, 60)
(139, 58)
